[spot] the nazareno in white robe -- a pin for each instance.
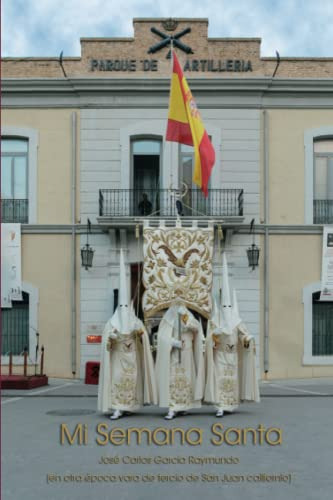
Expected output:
(180, 384)
(126, 377)
(230, 367)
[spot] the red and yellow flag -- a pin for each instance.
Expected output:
(185, 126)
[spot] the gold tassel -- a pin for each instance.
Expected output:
(137, 231)
(219, 232)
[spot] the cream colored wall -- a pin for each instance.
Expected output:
(286, 161)
(295, 261)
(53, 159)
(46, 263)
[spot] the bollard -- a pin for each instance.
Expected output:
(42, 361)
(10, 363)
(25, 366)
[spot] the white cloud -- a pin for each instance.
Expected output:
(45, 27)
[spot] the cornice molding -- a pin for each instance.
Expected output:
(143, 85)
(235, 223)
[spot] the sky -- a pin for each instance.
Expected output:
(32, 28)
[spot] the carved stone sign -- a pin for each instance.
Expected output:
(123, 65)
(190, 65)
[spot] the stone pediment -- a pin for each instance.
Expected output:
(145, 56)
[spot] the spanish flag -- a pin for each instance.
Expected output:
(185, 126)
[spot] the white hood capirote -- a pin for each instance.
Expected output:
(123, 317)
(226, 313)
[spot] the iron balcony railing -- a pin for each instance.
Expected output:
(323, 211)
(162, 202)
(13, 210)
(15, 329)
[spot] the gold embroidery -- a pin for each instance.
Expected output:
(228, 391)
(228, 348)
(181, 393)
(185, 318)
(124, 392)
(229, 371)
(228, 385)
(173, 250)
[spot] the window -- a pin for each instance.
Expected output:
(318, 327)
(14, 180)
(150, 132)
(322, 326)
(317, 146)
(15, 327)
(146, 160)
(194, 202)
(323, 182)
(186, 165)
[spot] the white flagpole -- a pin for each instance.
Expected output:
(171, 145)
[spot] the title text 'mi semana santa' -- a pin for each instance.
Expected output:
(168, 436)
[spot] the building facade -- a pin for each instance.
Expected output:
(91, 130)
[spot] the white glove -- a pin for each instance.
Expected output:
(176, 343)
(246, 342)
(112, 336)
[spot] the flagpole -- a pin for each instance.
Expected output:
(173, 198)
(171, 145)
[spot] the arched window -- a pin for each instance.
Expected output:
(14, 180)
(146, 166)
(323, 181)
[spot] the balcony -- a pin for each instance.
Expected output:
(122, 204)
(323, 211)
(14, 211)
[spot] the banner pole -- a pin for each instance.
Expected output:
(179, 336)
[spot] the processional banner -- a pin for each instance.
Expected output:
(177, 266)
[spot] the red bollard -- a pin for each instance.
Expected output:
(10, 363)
(42, 361)
(25, 366)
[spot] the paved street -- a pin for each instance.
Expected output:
(36, 465)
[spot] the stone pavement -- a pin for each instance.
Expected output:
(36, 465)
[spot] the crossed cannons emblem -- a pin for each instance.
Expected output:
(167, 39)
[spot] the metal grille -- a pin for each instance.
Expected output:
(14, 211)
(152, 202)
(15, 327)
(322, 329)
(323, 211)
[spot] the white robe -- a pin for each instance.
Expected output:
(230, 368)
(180, 382)
(126, 377)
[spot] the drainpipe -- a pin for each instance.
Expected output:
(266, 244)
(73, 245)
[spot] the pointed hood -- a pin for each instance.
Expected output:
(216, 312)
(226, 299)
(122, 316)
(123, 304)
(236, 319)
